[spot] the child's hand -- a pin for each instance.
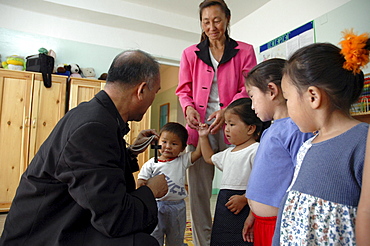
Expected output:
(203, 130)
(236, 203)
(248, 229)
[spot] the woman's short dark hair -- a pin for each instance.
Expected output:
(132, 67)
(224, 8)
(178, 129)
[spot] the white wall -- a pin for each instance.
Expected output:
(280, 16)
(162, 47)
(354, 14)
(273, 19)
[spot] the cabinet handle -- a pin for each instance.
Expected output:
(26, 122)
(34, 123)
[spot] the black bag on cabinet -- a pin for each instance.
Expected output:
(41, 63)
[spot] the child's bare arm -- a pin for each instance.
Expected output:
(196, 154)
(363, 211)
(248, 229)
(206, 148)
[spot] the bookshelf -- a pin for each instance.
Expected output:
(361, 109)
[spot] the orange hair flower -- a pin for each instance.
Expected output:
(353, 51)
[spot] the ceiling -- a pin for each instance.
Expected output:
(172, 18)
(239, 8)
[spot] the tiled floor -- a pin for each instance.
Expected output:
(188, 236)
(213, 205)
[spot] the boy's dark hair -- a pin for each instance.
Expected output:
(321, 65)
(178, 129)
(265, 72)
(243, 108)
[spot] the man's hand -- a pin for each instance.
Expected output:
(143, 136)
(158, 185)
(192, 117)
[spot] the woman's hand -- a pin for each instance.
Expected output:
(192, 117)
(219, 121)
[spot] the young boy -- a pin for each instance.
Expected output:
(171, 207)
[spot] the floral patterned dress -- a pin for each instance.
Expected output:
(318, 210)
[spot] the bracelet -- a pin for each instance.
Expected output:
(131, 153)
(142, 146)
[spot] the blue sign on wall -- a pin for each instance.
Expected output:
(286, 36)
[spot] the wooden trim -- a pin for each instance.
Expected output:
(4, 207)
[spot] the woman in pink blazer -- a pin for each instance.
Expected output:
(210, 78)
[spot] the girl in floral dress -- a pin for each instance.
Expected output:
(320, 83)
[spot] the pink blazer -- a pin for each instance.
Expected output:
(196, 75)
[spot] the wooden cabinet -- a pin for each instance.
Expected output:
(361, 109)
(48, 107)
(82, 90)
(362, 117)
(29, 111)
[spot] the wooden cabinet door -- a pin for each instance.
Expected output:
(48, 107)
(15, 112)
(82, 90)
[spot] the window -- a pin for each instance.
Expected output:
(164, 114)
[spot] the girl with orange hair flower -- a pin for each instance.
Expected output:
(320, 83)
